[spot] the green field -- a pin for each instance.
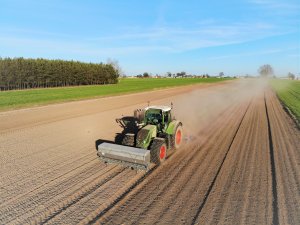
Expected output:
(288, 92)
(33, 97)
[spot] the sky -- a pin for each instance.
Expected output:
(158, 36)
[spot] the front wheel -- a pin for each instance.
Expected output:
(158, 151)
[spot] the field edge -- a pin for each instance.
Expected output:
(128, 91)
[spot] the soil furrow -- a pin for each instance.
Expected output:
(239, 165)
(87, 204)
(239, 158)
(25, 182)
(42, 212)
(199, 179)
(167, 173)
(286, 147)
(146, 195)
(203, 176)
(68, 174)
(273, 169)
(227, 203)
(219, 169)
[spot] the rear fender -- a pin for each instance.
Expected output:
(145, 136)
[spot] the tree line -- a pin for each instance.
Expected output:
(20, 73)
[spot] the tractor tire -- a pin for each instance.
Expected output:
(128, 140)
(177, 137)
(158, 151)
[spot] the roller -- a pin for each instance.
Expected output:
(125, 155)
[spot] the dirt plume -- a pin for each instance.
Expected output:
(200, 108)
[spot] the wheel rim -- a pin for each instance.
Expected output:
(162, 152)
(178, 137)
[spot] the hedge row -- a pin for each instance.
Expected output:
(20, 73)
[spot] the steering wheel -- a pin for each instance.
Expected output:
(155, 121)
(152, 119)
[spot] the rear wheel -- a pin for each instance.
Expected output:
(128, 140)
(177, 137)
(158, 151)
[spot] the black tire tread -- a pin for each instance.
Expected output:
(154, 149)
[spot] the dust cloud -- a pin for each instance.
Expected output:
(200, 108)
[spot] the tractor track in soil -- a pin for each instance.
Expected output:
(144, 205)
(242, 168)
(286, 153)
(273, 169)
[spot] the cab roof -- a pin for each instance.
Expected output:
(161, 107)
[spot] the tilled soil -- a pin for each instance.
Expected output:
(240, 163)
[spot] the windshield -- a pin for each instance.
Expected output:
(153, 116)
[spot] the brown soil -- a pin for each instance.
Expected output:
(240, 163)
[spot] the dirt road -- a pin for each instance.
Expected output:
(241, 166)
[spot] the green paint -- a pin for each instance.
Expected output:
(145, 136)
(172, 126)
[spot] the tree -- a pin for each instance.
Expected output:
(265, 70)
(181, 74)
(146, 75)
(221, 74)
(291, 76)
(169, 74)
(116, 66)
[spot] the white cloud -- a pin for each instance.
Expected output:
(137, 40)
(256, 53)
(278, 7)
(49, 47)
(178, 39)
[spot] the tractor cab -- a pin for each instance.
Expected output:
(159, 116)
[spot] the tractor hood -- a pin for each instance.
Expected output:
(145, 135)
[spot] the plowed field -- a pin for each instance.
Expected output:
(240, 163)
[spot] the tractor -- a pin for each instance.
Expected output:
(156, 136)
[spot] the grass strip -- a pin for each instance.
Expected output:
(288, 91)
(36, 97)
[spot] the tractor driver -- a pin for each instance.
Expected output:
(155, 118)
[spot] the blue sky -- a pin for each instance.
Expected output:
(196, 36)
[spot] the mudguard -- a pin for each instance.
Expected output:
(145, 135)
(172, 126)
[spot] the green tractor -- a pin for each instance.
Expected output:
(156, 136)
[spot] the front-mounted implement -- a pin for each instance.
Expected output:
(153, 136)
